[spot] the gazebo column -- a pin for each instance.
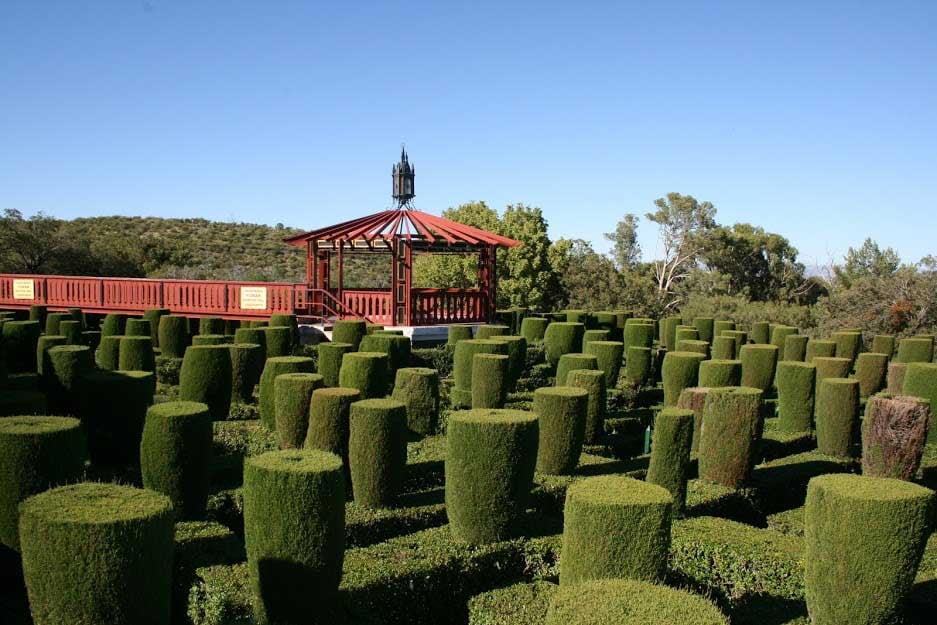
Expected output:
(401, 282)
(487, 281)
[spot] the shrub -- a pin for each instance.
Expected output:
(894, 383)
(724, 348)
(38, 312)
(593, 335)
(349, 331)
(668, 332)
(594, 382)
(154, 316)
(700, 347)
(418, 389)
(779, 334)
(680, 370)
(377, 451)
(206, 377)
(713, 373)
(366, 371)
(137, 327)
(489, 380)
(670, 453)
(837, 416)
(17, 402)
(489, 470)
(615, 527)
(864, 539)
(608, 356)
(562, 338)
(730, 434)
(796, 395)
(894, 431)
(97, 553)
(758, 365)
(795, 347)
(135, 353)
(761, 332)
(211, 325)
(209, 339)
(173, 335)
(639, 335)
(534, 328)
(108, 353)
(71, 330)
(684, 334)
(817, 348)
(694, 399)
(705, 327)
(920, 380)
(720, 326)
(294, 532)
(292, 395)
(36, 453)
(458, 333)
(175, 455)
(915, 350)
(521, 603)
(395, 346)
(465, 351)
(113, 324)
(570, 362)
(278, 341)
(330, 360)
(53, 321)
(488, 331)
(91, 338)
(848, 344)
(61, 377)
(247, 364)
(883, 344)
(870, 371)
(287, 320)
(741, 338)
(517, 353)
(267, 395)
(638, 365)
(252, 335)
(43, 344)
(831, 367)
(329, 412)
(19, 345)
(112, 407)
(561, 413)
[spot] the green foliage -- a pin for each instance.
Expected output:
(280, 320)
(489, 331)
(465, 351)
(112, 407)
(759, 362)
(894, 431)
(53, 321)
(831, 367)
(247, 365)
(761, 332)
(135, 353)
(330, 360)
(870, 371)
(278, 341)
(868, 260)
(561, 413)
(329, 414)
(368, 372)
(173, 335)
(638, 335)
(209, 339)
(837, 416)
(920, 380)
(795, 347)
(883, 344)
(489, 471)
(915, 350)
(609, 356)
(705, 327)
(108, 353)
(377, 451)
(638, 365)
(679, 370)
(694, 399)
(206, 377)
(729, 438)
(670, 453)
(267, 395)
(562, 338)
(594, 382)
(615, 527)
(418, 389)
(349, 331)
(894, 383)
(19, 345)
(571, 362)
(113, 324)
(43, 344)
(252, 335)
(175, 455)
(396, 347)
(63, 369)
(534, 328)
(796, 396)
(294, 531)
(292, 395)
(848, 345)
(137, 327)
(490, 380)
(715, 373)
(71, 329)
(211, 325)
(700, 347)
(517, 353)
(524, 603)
(97, 553)
(864, 539)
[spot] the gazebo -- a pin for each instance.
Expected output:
(402, 233)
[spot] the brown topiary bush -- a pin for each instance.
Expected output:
(894, 432)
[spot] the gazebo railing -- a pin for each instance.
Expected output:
(439, 306)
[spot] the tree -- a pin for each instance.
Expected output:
(868, 260)
(625, 249)
(589, 279)
(29, 245)
(525, 275)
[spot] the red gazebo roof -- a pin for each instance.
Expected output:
(403, 223)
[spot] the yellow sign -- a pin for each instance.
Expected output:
(253, 298)
(24, 289)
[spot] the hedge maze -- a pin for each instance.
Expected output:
(566, 468)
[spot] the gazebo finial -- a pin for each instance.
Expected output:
(403, 175)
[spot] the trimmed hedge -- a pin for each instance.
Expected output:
(465, 351)
(700, 347)
(831, 367)
(883, 344)
(779, 334)
(534, 328)
(724, 348)
(91, 338)
(38, 312)
(848, 344)
(817, 348)
(795, 347)
(135, 353)
(870, 371)
(267, 394)
(522, 603)
(36, 454)
(63, 369)
(562, 338)
(19, 345)
(713, 373)
(684, 334)
(292, 395)
(517, 352)
(278, 341)
(173, 335)
(366, 371)
(108, 353)
(570, 362)
(796, 396)
(670, 454)
(112, 406)
(252, 335)
(489, 470)
(694, 399)
(488, 331)
(730, 435)
(154, 316)
(71, 330)
(98, 553)
(593, 335)
(138, 327)
(615, 527)
(287, 320)
(329, 414)
(490, 380)
(456, 333)
(759, 362)
(914, 350)
(894, 431)
(705, 327)
(329, 361)
(247, 364)
(609, 356)
(639, 335)
(377, 451)
(113, 324)
(837, 416)
(720, 326)
(175, 455)
(679, 370)
(209, 339)
(561, 413)
(761, 333)
(418, 389)
(206, 376)
(668, 332)
(211, 325)
(638, 365)
(594, 382)
(349, 331)
(54, 320)
(294, 532)
(44, 344)
(864, 539)
(741, 338)
(920, 380)
(894, 382)
(396, 347)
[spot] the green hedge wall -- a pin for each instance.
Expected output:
(714, 373)
(894, 431)
(267, 394)
(730, 435)
(670, 454)
(377, 451)
(206, 377)
(796, 396)
(292, 395)
(173, 335)
(837, 416)
(561, 413)
(680, 370)
(418, 389)
(368, 372)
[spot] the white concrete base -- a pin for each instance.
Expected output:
(312, 334)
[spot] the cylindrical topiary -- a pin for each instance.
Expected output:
(53, 320)
(267, 394)
(517, 353)
(294, 532)
(534, 328)
(894, 382)
(137, 327)
(639, 335)
(113, 324)
(465, 351)
(920, 380)
(779, 334)
(175, 455)
(864, 539)
(63, 369)
(561, 413)
(700, 347)
(685, 334)
(592, 335)
(871, 369)
(795, 347)
(705, 326)
(730, 435)
(490, 379)
(837, 414)
(817, 348)
(615, 527)
(36, 453)
(377, 451)
(741, 338)
(458, 333)
(112, 406)
(349, 331)
(562, 338)
(489, 472)
(366, 371)
(278, 340)
(38, 312)
(173, 335)
(570, 362)
(796, 395)
(258, 324)
(209, 339)
(609, 356)
(883, 344)
(330, 360)
(723, 348)
(287, 320)
(396, 347)
(670, 453)
(107, 355)
(679, 370)
(638, 365)
(247, 363)
(488, 331)
(154, 316)
(292, 395)
(714, 373)
(44, 344)
(329, 414)
(136, 354)
(418, 389)
(592, 381)
(19, 345)
(211, 325)
(894, 431)
(831, 367)
(722, 325)
(914, 350)
(252, 335)
(206, 377)
(98, 553)
(760, 333)
(694, 399)
(91, 338)
(758, 365)
(668, 332)
(71, 330)
(848, 344)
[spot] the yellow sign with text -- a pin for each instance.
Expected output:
(24, 289)
(253, 298)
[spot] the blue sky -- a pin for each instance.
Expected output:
(814, 120)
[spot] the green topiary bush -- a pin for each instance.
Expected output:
(639, 335)
(36, 453)
(71, 330)
(137, 327)
(458, 333)
(63, 369)
(670, 453)
(91, 338)
(593, 335)
(705, 327)
(730, 435)
(795, 347)
(713, 373)
(796, 396)
(135, 353)
(98, 553)
(638, 365)
(329, 414)
(53, 321)
(561, 413)
(848, 345)
(278, 341)
(211, 325)
(761, 333)
(294, 532)
(173, 335)
(113, 324)
(292, 396)
(915, 350)
(679, 370)
(247, 364)
(668, 332)
(206, 377)
(779, 334)
(209, 339)
(330, 360)
(112, 407)
(287, 320)
(615, 527)
(418, 389)
(489, 470)
(684, 334)
(883, 344)
(488, 331)
(837, 416)
(609, 356)
(817, 348)
(490, 379)
(20, 339)
(267, 394)
(108, 354)
(828, 367)
(562, 338)
(720, 326)
(741, 338)
(759, 362)
(465, 351)
(395, 346)
(724, 348)
(920, 380)
(534, 329)
(593, 382)
(871, 369)
(864, 539)
(349, 331)
(377, 451)
(175, 455)
(252, 335)
(694, 399)
(894, 431)
(570, 362)
(700, 347)
(44, 344)
(517, 353)
(38, 312)
(366, 371)
(154, 316)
